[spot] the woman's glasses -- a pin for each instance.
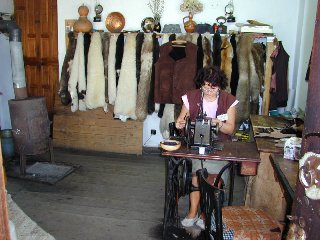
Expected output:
(207, 88)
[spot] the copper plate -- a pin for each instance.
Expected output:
(115, 22)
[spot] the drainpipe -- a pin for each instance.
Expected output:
(17, 63)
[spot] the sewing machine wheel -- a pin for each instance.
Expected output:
(185, 177)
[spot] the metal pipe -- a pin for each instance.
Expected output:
(17, 63)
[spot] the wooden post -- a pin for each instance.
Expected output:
(4, 221)
(267, 80)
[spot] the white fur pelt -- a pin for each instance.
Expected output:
(165, 38)
(194, 38)
(243, 89)
(77, 75)
(207, 51)
(125, 104)
(226, 60)
(95, 75)
(112, 83)
(145, 77)
(105, 53)
(168, 117)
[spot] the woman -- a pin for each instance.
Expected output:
(218, 105)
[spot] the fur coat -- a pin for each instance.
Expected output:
(95, 96)
(125, 104)
(112, 85)
(145, 77)
(77, 75)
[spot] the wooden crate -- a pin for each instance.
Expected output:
(95, 130)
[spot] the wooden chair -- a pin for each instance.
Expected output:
(238, 222)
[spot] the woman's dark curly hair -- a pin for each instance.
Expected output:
(212, 75)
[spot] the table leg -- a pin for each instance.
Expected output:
(231, 188)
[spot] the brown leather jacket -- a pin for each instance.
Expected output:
(225, 100)
(174, 72)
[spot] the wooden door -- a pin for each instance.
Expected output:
(38, 22)
(305, 218)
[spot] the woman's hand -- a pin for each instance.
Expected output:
(216, 121)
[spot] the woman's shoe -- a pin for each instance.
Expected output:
(200, 223)
(189, 222)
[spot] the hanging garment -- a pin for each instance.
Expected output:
(175, 72)
(279, 97)
(216, 50)
(77, 75)
(112, 85)
(125, 104)
(207, 52)
(145, 78)
(139, 40)
(259, 57)
(105, 54)
(95, 96)
(66, 69)
(226, 60)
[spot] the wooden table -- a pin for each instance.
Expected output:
(264, 190)
(234, 152)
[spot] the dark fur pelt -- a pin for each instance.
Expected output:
(66, 69)
(155, 57)
(216, 50)
(119, 55)
(139, 40)
(258, 54)
(226, 60)
(243, 89)
(105, 54)
(235, 67)
(199, 53)
(86, 43)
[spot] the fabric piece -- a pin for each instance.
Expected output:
(125, 104)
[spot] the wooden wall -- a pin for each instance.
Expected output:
(95, 130)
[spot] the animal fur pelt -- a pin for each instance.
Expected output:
(77, 75)
(95, 80)
(165, 38)
(207, 56)
(125, 105)
(86, 44)
(145, 77)
(199, 53)
(139, 40)
(235, 69)
(259, 58)
(226, 60)
(216, 50)
(112, 85)
(243, 89)
(66, 69)
(255, 86)
(155, 57)
(168, 117)
(105, 54)
(119, 55)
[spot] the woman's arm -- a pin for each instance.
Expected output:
(229, 125)
(181, 120)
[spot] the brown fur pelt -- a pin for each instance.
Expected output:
(66, 69)
(255, 86)
(258, 54)
(139, 40)
(207, 53)
(105, 54)
(226, 60)
(243, 89)
(145, 77)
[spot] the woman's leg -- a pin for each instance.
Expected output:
(194, 198)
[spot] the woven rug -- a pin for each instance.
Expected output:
(25, 227)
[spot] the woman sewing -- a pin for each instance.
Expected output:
(220, 107)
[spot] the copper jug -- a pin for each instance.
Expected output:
(189, 24)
